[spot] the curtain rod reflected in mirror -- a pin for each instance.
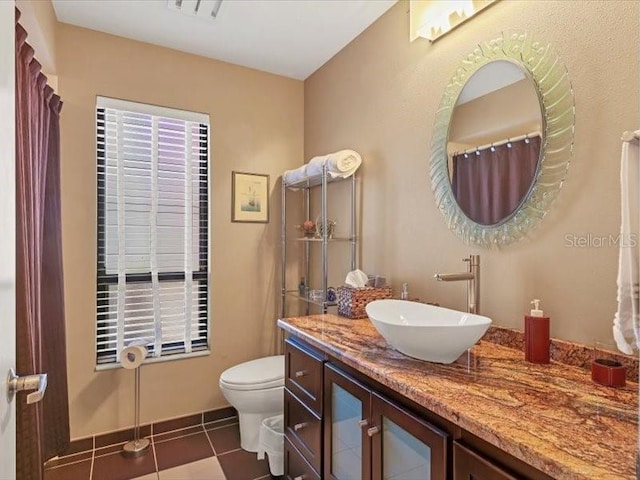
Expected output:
(485, 84)
(506, 141)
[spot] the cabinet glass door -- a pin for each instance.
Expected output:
(347, 446)
(405, 447)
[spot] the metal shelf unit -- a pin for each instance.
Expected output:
(307, 184)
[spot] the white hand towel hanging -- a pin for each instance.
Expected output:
(625, 323)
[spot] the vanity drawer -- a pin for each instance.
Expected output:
(468, 465)
(304, 429)
(303, 376)
(295, 466)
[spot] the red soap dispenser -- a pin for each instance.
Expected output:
(536, 335)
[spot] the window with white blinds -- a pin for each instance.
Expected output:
(153, 258)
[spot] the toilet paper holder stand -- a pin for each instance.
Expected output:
(138, 446)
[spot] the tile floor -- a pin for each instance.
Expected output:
(208, 451)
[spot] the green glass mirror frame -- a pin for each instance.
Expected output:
(551, 81)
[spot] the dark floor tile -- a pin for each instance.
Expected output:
(163, 437)
(224, 439)
(220, 414)
(116, 448)
(73, 471)
(117, 467)
(177, 423)
(121, 436)
(242, 465)
(78, 457)
(80, 445)
(221, 423)
(182, 450)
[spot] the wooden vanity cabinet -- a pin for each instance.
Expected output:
(347, 407)
(303, 411)
(339, 426)
(367, 436)
(303, 374)
(468, 465)
(296, 466)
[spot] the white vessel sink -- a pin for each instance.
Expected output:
(426, 332)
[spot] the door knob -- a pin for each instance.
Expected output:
(372, 431)
(36, 382)
(363, 423)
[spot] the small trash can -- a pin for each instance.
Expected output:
(271, 442)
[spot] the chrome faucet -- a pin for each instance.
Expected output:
(473, 282)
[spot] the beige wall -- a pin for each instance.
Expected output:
(39, 20)
(379, 96)
(257, 126)
(508, 112)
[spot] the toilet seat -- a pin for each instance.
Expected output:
(260, 374)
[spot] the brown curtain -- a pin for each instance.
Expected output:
(42, 428)
(490, 185)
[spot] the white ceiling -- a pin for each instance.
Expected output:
(287, 37)
(489, 78)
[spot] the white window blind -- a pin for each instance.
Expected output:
(152, 281)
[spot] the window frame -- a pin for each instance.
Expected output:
(170, 350)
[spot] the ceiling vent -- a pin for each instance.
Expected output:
(205, 9)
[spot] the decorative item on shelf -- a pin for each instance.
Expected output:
(320, 226)
(606, 369)
(308, 228)
(316, 296)
(331, 294)
(352, 301)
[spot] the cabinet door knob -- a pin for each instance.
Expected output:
(372, 431)
(301, 373)
(299, 426)
(299, 477)
(363, 423)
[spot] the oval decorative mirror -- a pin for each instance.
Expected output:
(503, 139)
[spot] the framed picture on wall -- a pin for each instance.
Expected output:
(249, 197)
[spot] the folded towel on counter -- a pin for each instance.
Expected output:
(339, 164)
(625, 322)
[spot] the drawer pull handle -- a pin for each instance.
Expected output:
(301, 373)
(299, 477)
(299, 426)
(363, 423)
(372, 431)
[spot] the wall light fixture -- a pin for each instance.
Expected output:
(431, 19)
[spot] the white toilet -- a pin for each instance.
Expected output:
(256, 390)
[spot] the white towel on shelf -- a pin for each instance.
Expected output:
(339, 164)
(625, 323)
(293, 176)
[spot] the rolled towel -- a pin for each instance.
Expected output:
(293, 176)
(339, 164)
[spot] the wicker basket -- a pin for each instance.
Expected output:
(352, 301)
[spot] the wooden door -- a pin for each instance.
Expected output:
(347, 444)
(405, 446)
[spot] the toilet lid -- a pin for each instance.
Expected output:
(262, 373)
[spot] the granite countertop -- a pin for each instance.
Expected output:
(552, 417)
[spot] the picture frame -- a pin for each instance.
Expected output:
(249, 197)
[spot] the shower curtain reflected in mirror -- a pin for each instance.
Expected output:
(490, 184)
